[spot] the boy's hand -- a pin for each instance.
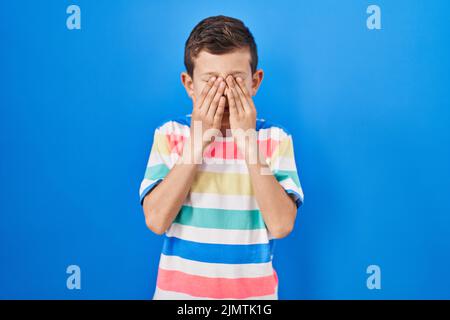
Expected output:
(242, 113)
(208, 109)
(242, 108)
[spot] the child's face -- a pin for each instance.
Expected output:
(206, 65)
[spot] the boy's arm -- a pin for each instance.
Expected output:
(163, 203)
(278, 209)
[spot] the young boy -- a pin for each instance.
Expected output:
(220, 184)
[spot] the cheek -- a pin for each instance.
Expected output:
(198, 88)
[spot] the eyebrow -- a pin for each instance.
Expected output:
(216, 73)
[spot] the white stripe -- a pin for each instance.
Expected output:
(173, 295)
(157, 158)
(224, 166)
(218, 201)
(216, 270)
(219, 236)
(144, 185)
(283, 163)
(220, 165)
(274, 133)
(288, 184)
(173, 127)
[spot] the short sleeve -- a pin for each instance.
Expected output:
(158, 165)
(282, 164)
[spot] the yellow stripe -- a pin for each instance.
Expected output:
(284, 149)
(222, 183)
(161, 144)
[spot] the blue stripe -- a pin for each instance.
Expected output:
(218, 253)
(298, 198)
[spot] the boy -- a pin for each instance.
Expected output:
(220, 184)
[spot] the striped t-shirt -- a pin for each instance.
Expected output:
(218, 246)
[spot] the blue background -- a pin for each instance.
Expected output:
(369, 111)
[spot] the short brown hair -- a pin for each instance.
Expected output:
(219, 35)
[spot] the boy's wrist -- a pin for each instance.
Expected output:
(255, 159)
(192, 152)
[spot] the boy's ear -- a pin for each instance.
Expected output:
(188, 84)
(256, 80)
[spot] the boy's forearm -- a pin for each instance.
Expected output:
(162, 204)
(277, 208)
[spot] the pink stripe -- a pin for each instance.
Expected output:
(216, 288)
(220, 149)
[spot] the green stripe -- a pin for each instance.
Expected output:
(220, 218)
(281, 175)
(156, 172)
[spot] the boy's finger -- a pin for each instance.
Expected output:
(242, 99)
(245, 91)
(237, 100)
(243, 87)
(219, 112)
(215, 101)
(232, 103)
(205, 91)
(209, 97)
